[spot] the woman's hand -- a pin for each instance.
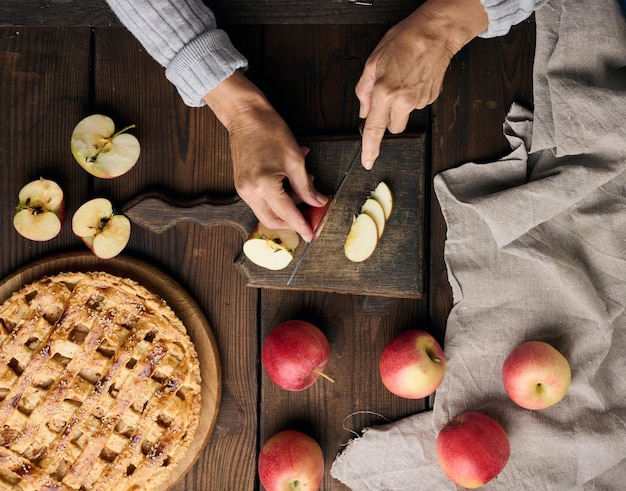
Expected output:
(265, 156)
(406, 69)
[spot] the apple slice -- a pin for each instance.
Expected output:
(40, 211)
(383, 195)
(362, 238)
(271, 249)
(374, 209)
(267, 254)
(100, 150)
(104, 232)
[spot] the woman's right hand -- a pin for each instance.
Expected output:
(265, 156)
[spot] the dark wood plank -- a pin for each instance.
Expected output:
(311, 11)
(484, 79)
(59, 13)
(97, 13)
(187, 149)
(44, 87)
(357, 329)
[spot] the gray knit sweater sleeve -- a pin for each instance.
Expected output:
(182, 35)
(506, 13)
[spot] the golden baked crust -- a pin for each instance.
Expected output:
(99, 386)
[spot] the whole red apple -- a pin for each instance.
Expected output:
(472, 449)
(536, 375)
(291, 460)
(295, 354)
(314, 215)
(412, 365)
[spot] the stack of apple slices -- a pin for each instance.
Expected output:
(368, 225)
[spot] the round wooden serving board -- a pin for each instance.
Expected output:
(181, 303)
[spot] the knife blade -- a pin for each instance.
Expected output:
(344, 179)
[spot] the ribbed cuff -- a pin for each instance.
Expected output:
(506, 13)
(202, 64)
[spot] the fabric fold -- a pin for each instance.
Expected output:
(535, 249)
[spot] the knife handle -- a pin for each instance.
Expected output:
(157, 212)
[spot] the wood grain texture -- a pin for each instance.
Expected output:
(44, 88)
(97, 13)
(183, 305)
(159, 211)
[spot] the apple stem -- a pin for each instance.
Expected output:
(325, 375)
(129, 127)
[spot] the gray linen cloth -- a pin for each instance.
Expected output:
(535, 249)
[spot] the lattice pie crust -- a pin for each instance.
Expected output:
(99, 386)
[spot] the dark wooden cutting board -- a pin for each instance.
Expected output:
(395, 269)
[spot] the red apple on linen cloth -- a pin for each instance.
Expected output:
(472, 449)
(536, 375)
(412, 364)
(291, 460)
(294, 355)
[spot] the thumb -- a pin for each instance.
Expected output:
(302, 186)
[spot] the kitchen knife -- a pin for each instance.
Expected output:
(344, 179)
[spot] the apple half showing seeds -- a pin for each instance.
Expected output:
(102, 231)
(271, 249)
(40, 212)
(102, 151)
(368, 225)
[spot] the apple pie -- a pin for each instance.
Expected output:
(99, 386)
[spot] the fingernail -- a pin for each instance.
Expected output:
(368, 165)
(321, 199)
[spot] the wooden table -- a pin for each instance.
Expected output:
(56, 68)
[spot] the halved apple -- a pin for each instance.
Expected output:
(383, 195)
(374, 209)
(362, 238)
(100, 150)
(40, 212)
(271, 249)
(104, 232)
